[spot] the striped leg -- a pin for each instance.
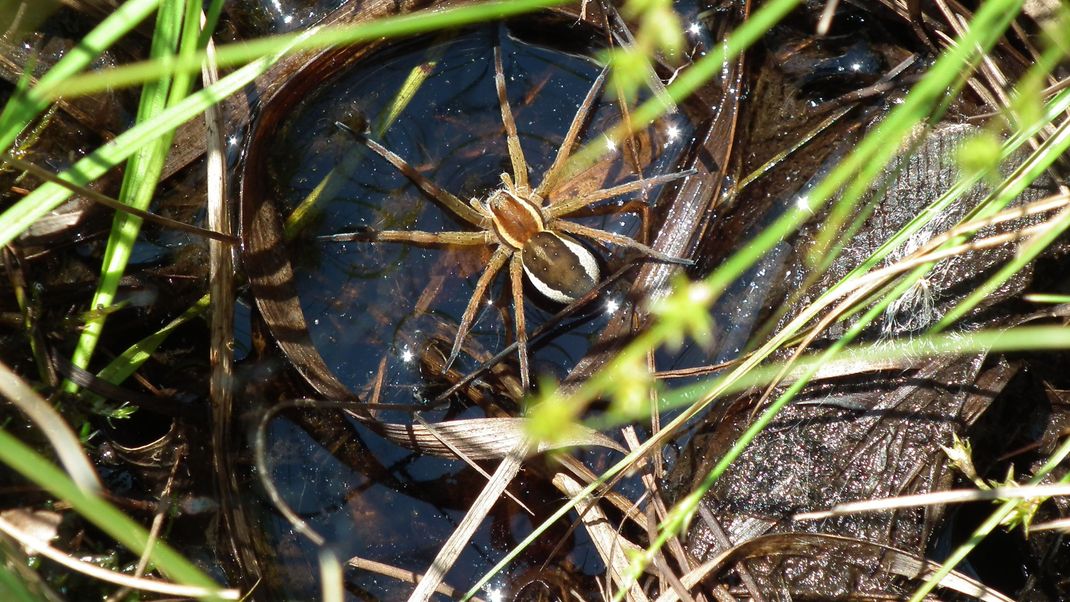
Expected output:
(549, 181)
(516, 276)
(516, 154)
(414, 236)
(443, 197)
(501, 254)
(572, 205)
(617, 239)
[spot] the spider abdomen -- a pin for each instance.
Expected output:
(559, 267)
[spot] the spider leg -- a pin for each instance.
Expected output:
(497, 260)
(413, 236)
(516, 154)
(516, 276)
(550, 179)
(437, 193)
(617, 239)
(571, 205)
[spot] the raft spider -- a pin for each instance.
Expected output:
(527, 233)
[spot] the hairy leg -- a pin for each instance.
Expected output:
(516, 276)
(571, 205)
(501, 255)
(617, 239)
(443, 197)
(549, 181)
(516, 154)
(414, 236)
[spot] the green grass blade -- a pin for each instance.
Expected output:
(229, 55)
(211, 20)
(127, 362)
(994, 520)
(1053, 148)
(21, 109)
(140, 177)
(47, 197)
(107, 518)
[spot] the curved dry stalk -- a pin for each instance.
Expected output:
(59, 434)
(42, 547)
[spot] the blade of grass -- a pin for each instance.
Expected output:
(59, 434)
(229, 55)
(23, 108)
(211, 19)
(177, 28)
(107, 518)
(127, 362)
(47, 197)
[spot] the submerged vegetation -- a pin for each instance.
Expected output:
(865, 260)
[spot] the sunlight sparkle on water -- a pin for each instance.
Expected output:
(694, 29)
(407, 355)
(610, 145)
(495, 595)
(673, 132)
(612, 305)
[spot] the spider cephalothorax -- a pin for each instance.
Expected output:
(528, 233)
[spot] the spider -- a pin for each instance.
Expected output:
(527, 233)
